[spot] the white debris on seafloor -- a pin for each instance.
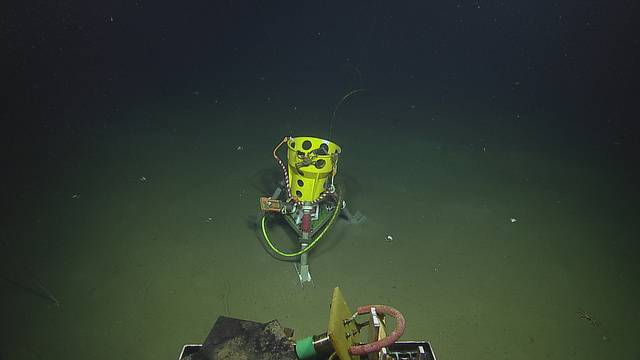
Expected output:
(75, 196)
(143, 179)
(208, 220)
(513, 220)
(389, 238)
(239, 148)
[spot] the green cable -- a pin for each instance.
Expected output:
(313, 243)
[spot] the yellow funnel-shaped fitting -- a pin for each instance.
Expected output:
(311, 162)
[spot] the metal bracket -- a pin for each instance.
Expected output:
(304, 276)
(303, 268)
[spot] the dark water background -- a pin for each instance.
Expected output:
(475, 112)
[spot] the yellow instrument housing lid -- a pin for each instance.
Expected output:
(342, 334)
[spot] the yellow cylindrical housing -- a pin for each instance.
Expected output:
(311, 161)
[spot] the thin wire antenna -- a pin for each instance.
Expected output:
(39, 289)
(335, 110)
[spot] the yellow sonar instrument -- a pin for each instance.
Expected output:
(307, 198)
(310, 163)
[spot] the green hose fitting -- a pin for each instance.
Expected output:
(305, 349)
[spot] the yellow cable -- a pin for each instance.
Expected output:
(313, 243)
